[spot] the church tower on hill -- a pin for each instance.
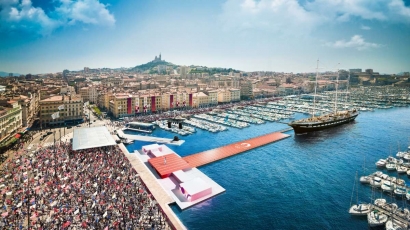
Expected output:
(158, 59)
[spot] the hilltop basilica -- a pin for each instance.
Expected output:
(158, 59)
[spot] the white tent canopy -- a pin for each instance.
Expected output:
(93, 137)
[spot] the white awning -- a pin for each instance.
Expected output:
(93, 137)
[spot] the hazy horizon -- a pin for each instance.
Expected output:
(266, 35)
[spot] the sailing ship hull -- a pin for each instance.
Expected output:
(311, 127)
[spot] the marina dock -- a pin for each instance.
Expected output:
(392, 215)
(149, 138)
(209, 156)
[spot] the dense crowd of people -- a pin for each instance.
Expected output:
(58, 188)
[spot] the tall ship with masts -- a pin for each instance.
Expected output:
(316, 123)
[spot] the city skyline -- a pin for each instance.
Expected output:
(266, 35)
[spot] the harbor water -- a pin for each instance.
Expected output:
(302, 182)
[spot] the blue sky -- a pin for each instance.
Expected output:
(42, 36)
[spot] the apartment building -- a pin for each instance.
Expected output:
(235, 95)
(29, 106)
(123, 105)
(10, 118)
(224, 96)
(89, 94)
(212, 97)
(247, 89)
(70, 112)
(200, 100)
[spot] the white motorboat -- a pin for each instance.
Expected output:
(400, 154)
(365, 179)
(391, 166)
(374, 218)
(401, 169)
(387, 186)
(400, 191)
(376, 182)
(127, 141)
(377, 173)
(393, 224)
(403, 213)
(400, 182)
(381, 163)
(406, 156)
(385, 176)
(360, 209)
(380, 202)
(408, 195)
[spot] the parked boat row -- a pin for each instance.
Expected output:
(381, 213)
(205, 125)
(224, 121)
(238, 117)
(267, 113)
(387, 183)
(186, 130)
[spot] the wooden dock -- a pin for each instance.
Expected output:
(209, 156)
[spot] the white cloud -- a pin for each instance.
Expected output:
(365, 27)
(22, 15)
(25, 16)
(277, 15)
(356, 42)
(85, 11)
(291, 15)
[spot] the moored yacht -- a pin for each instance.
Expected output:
(365, 179)
(380, 202)
(400, 191)
(376, 218)
(360, 209)
(393, 224)
(376, 182)
(391, 166)
(381, 163)
(387, 186)
(401, 169)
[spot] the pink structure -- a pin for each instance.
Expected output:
(195, 189)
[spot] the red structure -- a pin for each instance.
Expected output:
(167, 164)
(171, 101)
(190, 99)
(212, 155)
(153, 105)
(129, 106)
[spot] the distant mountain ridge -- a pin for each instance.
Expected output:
(6, 74)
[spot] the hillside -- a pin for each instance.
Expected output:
(151, 65)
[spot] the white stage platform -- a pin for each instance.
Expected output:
(171, 183)
(158, 140)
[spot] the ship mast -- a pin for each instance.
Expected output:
(337, 84)
(314, 96)
(347, 92)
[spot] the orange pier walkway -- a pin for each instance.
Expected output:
(209, 156)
